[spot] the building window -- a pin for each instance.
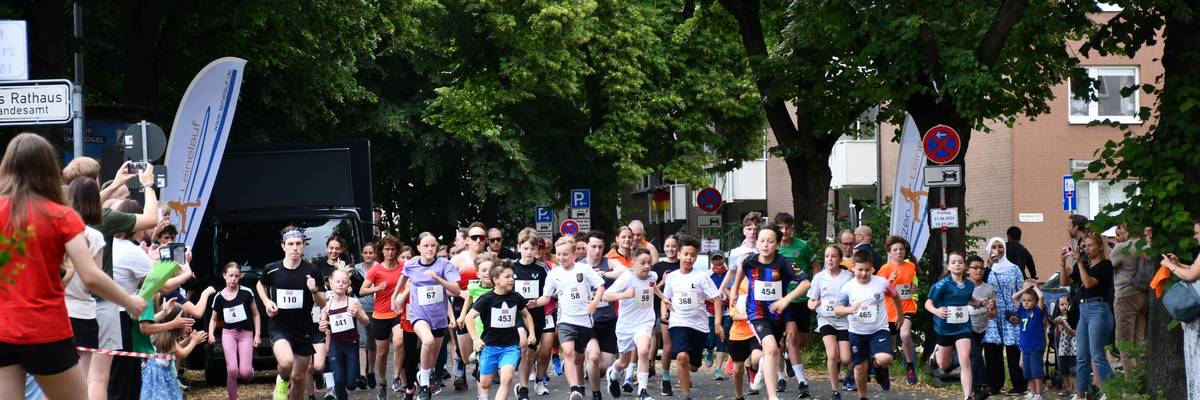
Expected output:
(1106, 93)
(1095, 194)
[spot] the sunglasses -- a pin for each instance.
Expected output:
(495, 240)
(478, 238)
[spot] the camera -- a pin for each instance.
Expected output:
(173, 251)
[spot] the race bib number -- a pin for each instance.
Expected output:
(549, 322)
(573, 296)
(958, 315)
(686, 301)
(289, 299)
(767, 290)
(905, 291)
(642, 298)
(427, 295)
(865, 315)
(234, 314)
(503, 317)
(340, 322)
(528, 289)
(826, 309)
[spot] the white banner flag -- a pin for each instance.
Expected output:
(910, 198)
(197, 143)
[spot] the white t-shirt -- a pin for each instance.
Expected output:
(687, 293)
(825, 289)
(131, 264)
(738, 255)
(80, 303)
(638, 311)
(574, 289)
(871, 317)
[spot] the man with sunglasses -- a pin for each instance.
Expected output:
(495, 246)
(465, 262)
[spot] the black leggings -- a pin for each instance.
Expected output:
(412, 358)
(993, 355)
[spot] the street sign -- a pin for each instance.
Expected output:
(1068, 193)
(1031, 217)
(943, 218)
(708, 200)
(585, 224)
(1080, 165)
(545, 229)
(35, 102)
(941, 144)
(943, 175)
(14, 51)
(581, 213)
(581, 198)
(708, 246)
(708, 221)
(568, 227)
(543, 214)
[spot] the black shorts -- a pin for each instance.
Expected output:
(801, 315)
(87, 332)
(302, 343)
(688, 340)
(539, 321)
(740, 350)
(381, 329)
(457, 304)
(828, 330)
(439, 333)
(605, 334)
(40, 359)
(948, 341)
(767, 327)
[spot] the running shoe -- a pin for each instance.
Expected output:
(836, 396)
(644, 395)
(627, 387)
(614, 387)
(802, 387)
(281, 388)
(360, 383)
(597, 396)
(781, 385)
(329, 395)
(708, 359)
(540, 389)
(848, 384)
(460, 384)
(424, 394)
(371, 380)
(883, 378)
(718, 375)
(575, 396)
(409, 393)
(911, 374)
(666, 388)
(557, 363)
(382, 394)
(397, 385)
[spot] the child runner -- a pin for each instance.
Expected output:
(688, 322)
(948, 301)
(862, 302)
(579, 290)
(381, 283)
(366, 342)
(602, 350)
(158, 374)
(499, 347)
(636, 288)
(432, 278)
(338, 320)
(903, 274)
(529, 276)
(822, 298)
(744, 350)
(717, 346)
(768, 274)
(1066, 345)
(288, 290)
(662, 338)
(985, 294)
(1033, 336)
(476, 289)
(234, 310)
(799, 317)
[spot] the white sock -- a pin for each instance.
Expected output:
(630, 370)
(423, 377)
(643, 378)
(799, 370)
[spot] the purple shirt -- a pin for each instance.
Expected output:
(427, 298)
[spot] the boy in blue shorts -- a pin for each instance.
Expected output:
(1033, 336)
(861, 301)
(500, 348)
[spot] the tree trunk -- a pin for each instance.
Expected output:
(1164, 355)
(810, 188)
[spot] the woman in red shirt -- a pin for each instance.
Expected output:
(35, 332)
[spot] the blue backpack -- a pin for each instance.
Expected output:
(1182, 301)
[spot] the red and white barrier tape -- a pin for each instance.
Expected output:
(126, 353)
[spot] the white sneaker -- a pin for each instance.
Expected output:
(540, 389)
(531, 376)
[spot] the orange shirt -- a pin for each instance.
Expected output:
(616, 256)
(741, 328)
(905, 283)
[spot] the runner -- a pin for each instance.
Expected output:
(499, 347)
(688, 322)
(602, 348)
(366, 342)
(903, 274)
(483, 265)
(744, 350)
(288, 290)
(432, 278)
(799, 317)
(338, 319)
(767, 275)
(639, 238)
(716, 345)
(634, 331)
(662, 338)
(465, 262)
(578, 289)
(823, 297)
(234, 310)
(381, 283)
(948, 301)
(530, 275)
(747, 247)
(334, 246)
(861, 300)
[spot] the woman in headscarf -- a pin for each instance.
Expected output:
(1004, 331)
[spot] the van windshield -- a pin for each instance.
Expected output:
(256, 243)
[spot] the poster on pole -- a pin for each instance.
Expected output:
(197, 143)
(910, 196)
